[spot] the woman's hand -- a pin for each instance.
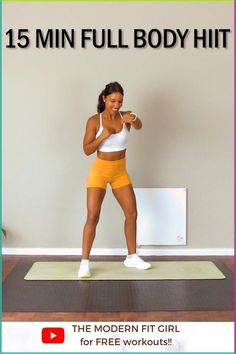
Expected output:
(128, 117)
(132, 119)
(107, 132)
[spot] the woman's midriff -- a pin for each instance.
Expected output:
(111, 156)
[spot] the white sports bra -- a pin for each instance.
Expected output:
(115, 142)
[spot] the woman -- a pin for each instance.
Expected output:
(107, 133)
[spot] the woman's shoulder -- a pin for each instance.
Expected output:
(93, 122)
(93, 119)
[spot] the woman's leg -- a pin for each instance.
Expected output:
(95, 198)
(126, 198)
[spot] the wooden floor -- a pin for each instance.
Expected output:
(9, 262)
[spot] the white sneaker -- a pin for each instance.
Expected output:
(84, 271)
(134, 261)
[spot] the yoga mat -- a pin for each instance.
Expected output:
(115, 295)
(117, 271)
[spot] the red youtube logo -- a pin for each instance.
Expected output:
(53, 335)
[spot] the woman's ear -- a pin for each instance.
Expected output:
(104, 98)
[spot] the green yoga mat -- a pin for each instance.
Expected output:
(172, 270)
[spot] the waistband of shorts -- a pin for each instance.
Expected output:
(110, 164)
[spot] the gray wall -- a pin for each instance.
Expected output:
(184, 97)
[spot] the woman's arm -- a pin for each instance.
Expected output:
(90, 142)
(132, 119)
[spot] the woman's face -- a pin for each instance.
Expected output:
(113, 102)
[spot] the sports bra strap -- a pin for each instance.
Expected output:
(121, 116)
(101, 120)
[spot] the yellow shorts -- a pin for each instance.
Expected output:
(103, 172)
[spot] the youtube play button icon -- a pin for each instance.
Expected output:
(53, 335)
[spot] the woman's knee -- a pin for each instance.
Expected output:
(131, 214)
(93, 217)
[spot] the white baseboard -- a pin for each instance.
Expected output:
(121, 251)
